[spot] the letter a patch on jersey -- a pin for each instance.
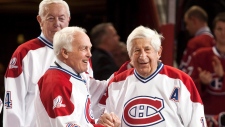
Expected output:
(175, 94)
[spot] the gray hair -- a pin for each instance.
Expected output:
(64, 38)
(144, 32)
(44, 3)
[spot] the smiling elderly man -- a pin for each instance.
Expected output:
(151, 93)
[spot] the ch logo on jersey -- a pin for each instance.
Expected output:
(12, 63)
(143, 111)
(217, 84)
(57, 102)
(88, 112)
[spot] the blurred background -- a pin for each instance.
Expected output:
(18, 22)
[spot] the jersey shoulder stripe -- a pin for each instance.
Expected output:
(78, 77)
(55, 85)
(122, 76)
(15, 65)
(186, 80)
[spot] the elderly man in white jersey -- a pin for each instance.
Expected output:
(63, 97)
(29, 62)
(151, 93)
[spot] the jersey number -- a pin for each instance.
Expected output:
(8, 101)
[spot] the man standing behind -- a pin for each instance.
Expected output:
(105, 40)
(29, 62)
(196, 24)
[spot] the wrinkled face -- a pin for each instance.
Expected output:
(190, 25)
(144, 57)
(56, 17)
(81, 53)
(112, 37)
(219, 32)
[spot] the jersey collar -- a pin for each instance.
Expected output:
(204, 30)
(144, 80)
(65, 68)
(45, 41)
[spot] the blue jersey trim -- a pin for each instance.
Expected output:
(144, 80)
(78, 77)
(47, 43)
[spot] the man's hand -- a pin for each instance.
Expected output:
(205, 76)
(217, 66)
(116, 120)
(109, 120)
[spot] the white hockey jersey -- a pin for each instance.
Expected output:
(63, 99)
(1, 105)
(27, 65)
(167, 98)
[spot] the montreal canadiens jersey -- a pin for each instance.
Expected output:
(214, 94)
(28, 63)
(1, 104)
(167, 98)
(203, 38)
(63, 99)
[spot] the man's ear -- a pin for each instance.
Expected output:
(69, 19)
(160, 52)
(64, 53)
(39, 20)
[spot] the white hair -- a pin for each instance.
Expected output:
(64, 38)
(44, 3)
(144, 32)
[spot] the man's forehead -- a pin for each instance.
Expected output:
(55, 15)
(56, 9)
(141, 42)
